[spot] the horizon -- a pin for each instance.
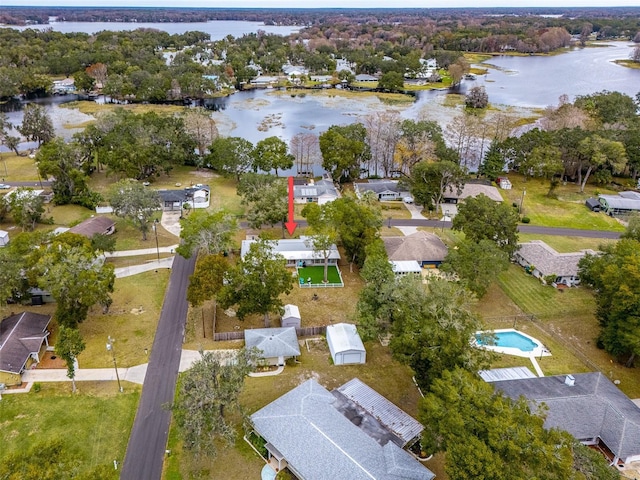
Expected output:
(329, 4)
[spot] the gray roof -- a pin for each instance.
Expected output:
(548, 261)
(630, 194)
(294, 249)
(319, 442)
(322, 187)
(473, 190)
(400, 423)
(616, 201)
(273, 342)
(509, 373)
(20, 336)
(377, 187)
(93, 226)
(592, 407)
(420, 246)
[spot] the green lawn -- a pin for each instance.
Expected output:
(93, 424)
(316, 274)
(566, 244)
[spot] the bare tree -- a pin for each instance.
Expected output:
(305, 148)
(460, 134)
(202, 128)
(382, 136)
(565, 115)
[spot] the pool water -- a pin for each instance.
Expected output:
(510, 340)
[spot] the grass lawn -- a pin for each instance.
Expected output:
(568, 210)
(567, 244)
(316, 274)
(132, 321)
(93, 424)
(18, 169)
(395, 384)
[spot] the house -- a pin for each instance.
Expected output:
(63, 87)
(297, 251)
(541, 261)
(276, 344)
(94, 226)
(363, 77)
(385, 190)
(264, 81)
(197, 196)
(423, 247)
(621, 204)
(592, 204)
(308, 430)
(4, 238)
(320, 192)
(471, 190)
(345, 344)
(588, 406)
(23, 338)
(291, 316)
(405, 267)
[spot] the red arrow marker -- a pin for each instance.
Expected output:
(291, 224)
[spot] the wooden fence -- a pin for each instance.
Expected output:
(239, 335)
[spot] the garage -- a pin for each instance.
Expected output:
(345, 344)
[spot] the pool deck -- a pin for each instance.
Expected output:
(539, 351)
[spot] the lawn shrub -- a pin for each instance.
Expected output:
(37, 387)
(526, 219)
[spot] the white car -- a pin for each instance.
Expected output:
(407, 199)
(4, 186)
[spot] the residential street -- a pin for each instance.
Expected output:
(148, 440)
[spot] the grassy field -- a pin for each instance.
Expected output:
(14, 168)
(89, 107)
(568, 210)
(567, 244)
(93, 424)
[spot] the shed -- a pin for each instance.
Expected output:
(345, 344)
(592, 204)
(291, 316)
(4, 238)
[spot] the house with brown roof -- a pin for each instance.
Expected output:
(94, 226)
(423, 247)
(23, 338)
(542, 261)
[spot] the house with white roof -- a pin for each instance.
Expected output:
(320, 192)
(308, 430)
(384, 190)
(297, 251)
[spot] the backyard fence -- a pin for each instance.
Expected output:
(239, 335)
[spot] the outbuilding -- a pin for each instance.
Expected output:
(592, 204)
(4, 238)
(291, 316)
(345, 344)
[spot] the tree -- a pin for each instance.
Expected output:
(480, 218)
(431, 329)
(27, 208)
(271, 154)
(231, 156)
(69, 346)
(457, 70)
(211, 233)
(266, 197)
(421, 140)
(76, 278)
(544, 161)
(477, 98)
(207, 391)
(633, 228)
(382, 137)
(207, 280)
(601, 152)
(608, 107)
(585, 33)
(201, 128)
(431, 181)
(344, 150)
(305, 148)
(36, 124)
(477, 264)
(322, 237)
(487, 435)
(614, 276)
(135, 203)
(494, 163)
(12, 284)
(391, 82)
(255, 283)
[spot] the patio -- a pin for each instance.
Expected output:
(310, 277)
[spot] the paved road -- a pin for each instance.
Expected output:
(31, 183)
(148, 440)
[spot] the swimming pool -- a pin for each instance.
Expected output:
(510, 342)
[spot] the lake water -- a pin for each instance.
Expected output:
(218, 29)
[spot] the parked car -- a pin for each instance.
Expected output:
(407, 199)
(4, 186)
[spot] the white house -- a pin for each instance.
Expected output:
(276, 344)
(320, 192)
(297, 251)
(4, 238)
(345, 344)
(291, 316)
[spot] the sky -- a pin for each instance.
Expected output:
(325, 3)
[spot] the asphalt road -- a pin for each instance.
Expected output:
(148, 439)
(31, 183)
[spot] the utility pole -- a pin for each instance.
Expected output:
(155, 230)
(110, 342)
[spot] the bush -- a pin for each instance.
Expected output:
(526, 219)
(37, 387)
(514, 205)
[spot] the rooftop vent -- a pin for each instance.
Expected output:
(570, 380)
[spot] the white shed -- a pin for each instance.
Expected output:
(345, 344)
(4, 238)
(291, 316)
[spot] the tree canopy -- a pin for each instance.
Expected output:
(431, 181)
(210, 232)
(135, 203)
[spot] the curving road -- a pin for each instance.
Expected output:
(148, 441)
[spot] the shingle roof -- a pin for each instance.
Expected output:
(473, 190)
(20, 336)
(273, 342)
(548, 261)
(592, 407)
(93, 226)
(400, 423)
(420, 246)
(320, 443)
(377, 187)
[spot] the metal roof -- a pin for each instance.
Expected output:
(343, 337)
(294, 249)
(616, 201)
(400, 423)
(510, 373)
